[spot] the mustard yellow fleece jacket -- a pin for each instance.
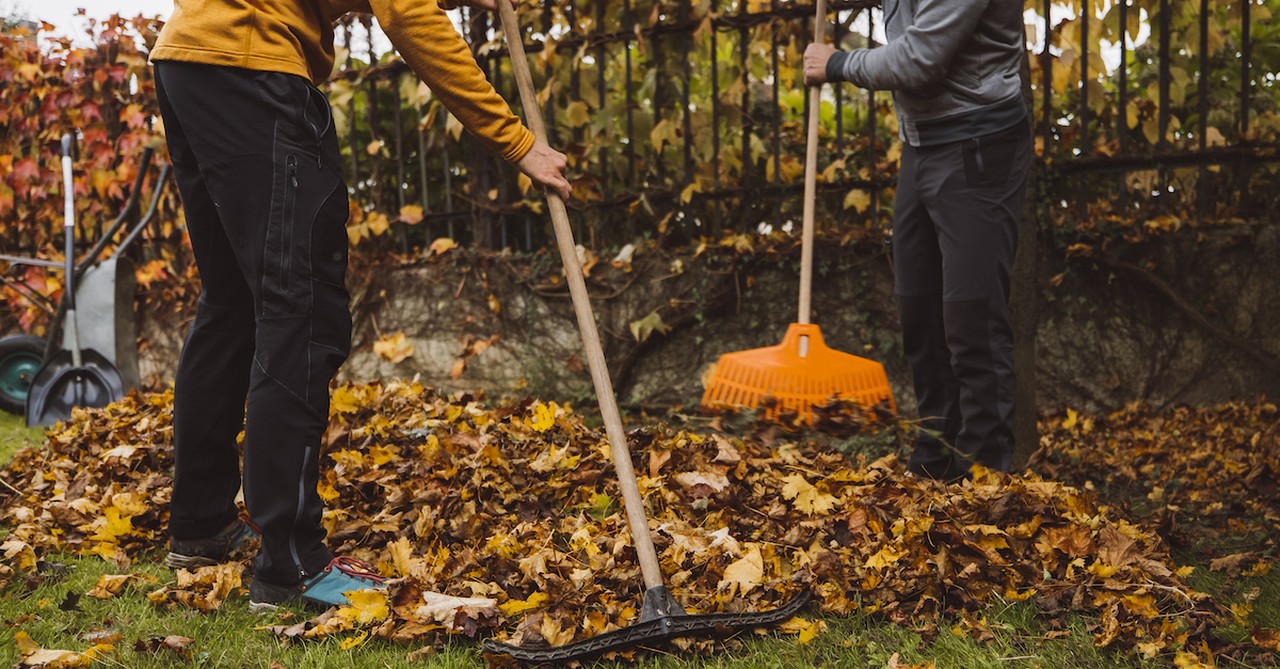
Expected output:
(296, 37)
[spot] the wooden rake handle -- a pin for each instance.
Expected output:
(636, 519)
(811, 177)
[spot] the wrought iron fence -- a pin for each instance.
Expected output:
(687, 118)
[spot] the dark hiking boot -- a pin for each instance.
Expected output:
(221, 547)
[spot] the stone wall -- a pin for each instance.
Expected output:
(1188, 318)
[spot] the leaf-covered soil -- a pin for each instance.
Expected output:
(505, 520)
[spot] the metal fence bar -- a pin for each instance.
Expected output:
(1202, 180)
(1084, 76)
(1164, 76)
(744, 62)
(424, 195)
(631, 144)
(1046, 84)
(715, 103)
(686, 102)
(1246, 44)
(678, 26)
(871, 119)
(602, 56)
(777, 104)
(1122, 127)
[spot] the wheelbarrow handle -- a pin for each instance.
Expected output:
(92, 256)
(156, 191)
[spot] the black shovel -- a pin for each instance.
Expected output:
(74, 378)
(661, 616)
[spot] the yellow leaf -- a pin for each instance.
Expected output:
(1102, 570)
(745, 574)
(402, 556)
(687, 194)
(355, 640)
(442, 245)
(327, 492)
(355, 233)
(885, 557)
(393, 348)
(110, 585)
(113, 525)
(806, 630)
(381, 455)
(344, 400)
(544, 416)
(1015, 596)
(411, 214)
(663, 133)
(375, 147)
(577, 114)
(365, 606)
(26, 645)
(555, 632)
(19, 554)
(377, 223)
(646, 326)
(515, 607)
(806, 497)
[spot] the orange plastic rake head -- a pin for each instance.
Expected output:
(798, 373)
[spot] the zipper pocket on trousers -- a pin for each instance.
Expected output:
(286, 223)
(976, 143)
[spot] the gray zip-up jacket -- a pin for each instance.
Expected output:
(953, 67)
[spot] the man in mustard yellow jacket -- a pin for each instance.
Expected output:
(256, 160)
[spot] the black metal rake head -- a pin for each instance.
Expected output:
(661, 619)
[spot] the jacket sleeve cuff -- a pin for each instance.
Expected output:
(517, 151)
(835, 66)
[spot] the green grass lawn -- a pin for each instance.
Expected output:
(53, 608)
(57, 615)
(15, 435)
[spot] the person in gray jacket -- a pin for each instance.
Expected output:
(954, 70)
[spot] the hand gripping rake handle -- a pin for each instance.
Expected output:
(586, 320)
(811, 177)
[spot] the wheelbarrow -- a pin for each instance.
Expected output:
(103, 296)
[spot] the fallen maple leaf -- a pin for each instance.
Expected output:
(806, 496)
(365, 606)
(393, 348)
(442, 245)
(110, 585)
(745, 574)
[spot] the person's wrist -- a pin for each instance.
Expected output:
(835, 66)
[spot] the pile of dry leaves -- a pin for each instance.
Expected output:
(1207, 478)
(507, 521)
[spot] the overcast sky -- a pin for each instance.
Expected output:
(62, 13)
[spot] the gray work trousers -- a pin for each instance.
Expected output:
(954, 232)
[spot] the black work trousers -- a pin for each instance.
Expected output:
(955, 224)
(256, 160)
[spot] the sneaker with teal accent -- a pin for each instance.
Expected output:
(326, 589)
(221, 547)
